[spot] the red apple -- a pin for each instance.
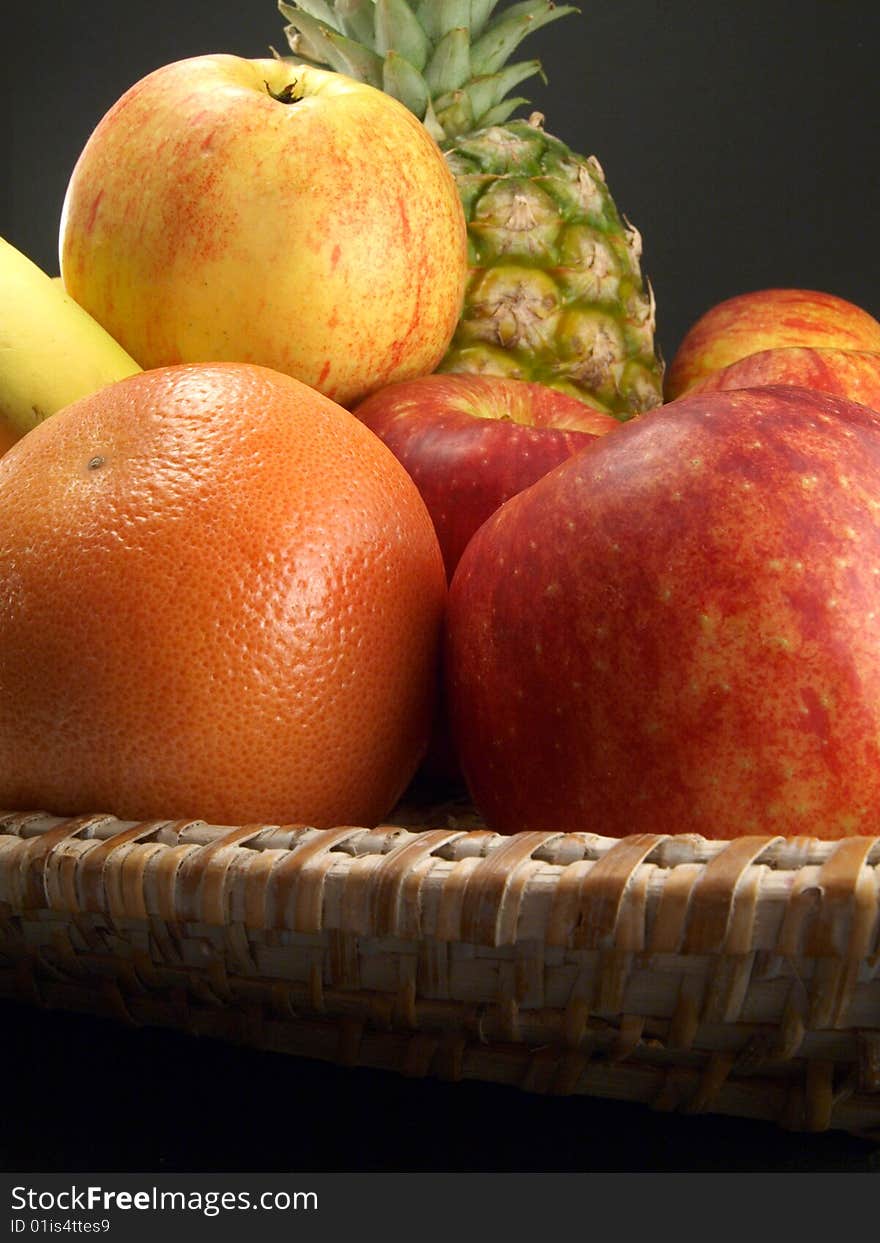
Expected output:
(470, 442)
(679, 631)
(768, 319)
(847, 373)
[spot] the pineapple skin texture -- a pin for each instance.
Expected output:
(555, 293)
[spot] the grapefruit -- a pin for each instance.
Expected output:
(220, 597)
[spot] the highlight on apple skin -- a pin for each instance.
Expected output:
(767, 319)
(471, 442)
(267, 212)
(679, 630)
(854, 374)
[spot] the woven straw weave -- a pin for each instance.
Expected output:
(740, 978)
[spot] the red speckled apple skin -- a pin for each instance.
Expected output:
(471, 442)
(854, 374)
(679, 631)
(766, 319)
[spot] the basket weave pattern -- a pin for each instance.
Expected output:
(735, 977)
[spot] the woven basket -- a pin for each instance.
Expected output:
(740, 977)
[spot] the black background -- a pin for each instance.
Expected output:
(742, 141)
(82, 1094)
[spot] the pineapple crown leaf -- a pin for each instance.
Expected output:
(399, 30)
(402, 80)
(489, 90)
(445, 60)
(486, 98)
(314, 40)
(438, 19)
(357, 18)
(454, 116)
(481, 11)
(321, 10)
(501, 38)
(433, 126)
(450, 66)
(499, 114)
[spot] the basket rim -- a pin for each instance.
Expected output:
(777, 851)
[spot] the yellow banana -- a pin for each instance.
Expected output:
(52, 352)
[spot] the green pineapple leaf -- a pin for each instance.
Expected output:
(432, 125)
(321, 10)
(529, 8)
(450, 66)
(501, 38)
(438, 17)
(488, 91)
(356, 18)
(404, 82)
(481, 11)
(455, 114)
(301, 50)
(398, 30)
(334, 49)
(499, 114)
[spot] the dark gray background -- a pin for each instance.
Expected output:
(741, 139)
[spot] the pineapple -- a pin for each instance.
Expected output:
(555, 292)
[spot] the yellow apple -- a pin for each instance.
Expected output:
(268, 212)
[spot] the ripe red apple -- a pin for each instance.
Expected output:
(269, 212)
(470, 442)
(679, 631)
(768, 319)
(847, 373)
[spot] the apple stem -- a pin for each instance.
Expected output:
(286, 94)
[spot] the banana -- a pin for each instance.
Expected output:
(52, 352)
